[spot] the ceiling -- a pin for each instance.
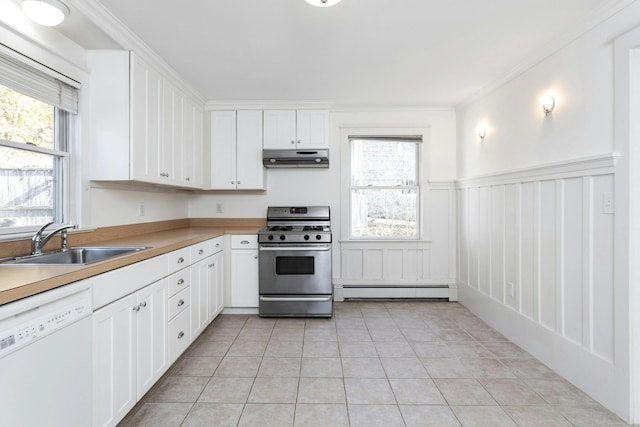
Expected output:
(359, 53)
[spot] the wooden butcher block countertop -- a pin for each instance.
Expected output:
(20, 281)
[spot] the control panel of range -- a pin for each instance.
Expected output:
(296, 238)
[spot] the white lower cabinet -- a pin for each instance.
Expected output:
(216, 285)
(244, 271)
(129, 351)
(140, 329)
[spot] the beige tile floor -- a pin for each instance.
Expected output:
(373, 364)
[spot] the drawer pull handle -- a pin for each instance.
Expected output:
(180, 335)
(180, 282)
(143, 304)
(201, 251)
(245, 242)
(180, 303)
(180, 260)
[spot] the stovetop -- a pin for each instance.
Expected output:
(309, 224)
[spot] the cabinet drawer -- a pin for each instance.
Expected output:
(244, 241)
(179, 302)
(179, 259)
(179, 281)
(217, 244)
(179, 334)
(200, 251)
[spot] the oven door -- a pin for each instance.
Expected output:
(295, 269)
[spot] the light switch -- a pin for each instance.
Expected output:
(608, 204)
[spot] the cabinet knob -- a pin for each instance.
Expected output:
(212, 265)
(136, 308)
(255, 257)
(188, 179)
(180, 282)
(180, 303)
(298, 141)
(233, 182)
(143, 304)
(181, 334)
(201, 251)
(217, 245)
(238, 182)
(180, 260)
(292, 141)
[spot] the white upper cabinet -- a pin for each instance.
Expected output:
(143, 128)
(301, 129)
(236, 150)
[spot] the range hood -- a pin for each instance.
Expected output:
(295, 158)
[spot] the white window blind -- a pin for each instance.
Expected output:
(37, 84)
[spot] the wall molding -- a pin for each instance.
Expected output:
(600, 164)
(266, 105)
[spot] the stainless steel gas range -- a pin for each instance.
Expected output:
(295, 263)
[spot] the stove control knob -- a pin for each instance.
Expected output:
(306, 237)
(270, 237)
(282, 237)
(318, 237)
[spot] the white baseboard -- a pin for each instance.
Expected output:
(590, 373)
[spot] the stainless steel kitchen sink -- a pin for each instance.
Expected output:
(75, 256)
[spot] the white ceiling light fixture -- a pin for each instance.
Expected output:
(45, 12)
(323, 3)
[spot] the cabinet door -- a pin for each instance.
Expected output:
(249, 169)
(114, 361)
(279, 129)
(171, 153)
(244, 278)
(146, 118)
(152, 335)
(199, 288)
(223, 150)
(188, 143)
(215, 294)
(313, 129)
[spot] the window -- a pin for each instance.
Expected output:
(385, 187)
(35, 123)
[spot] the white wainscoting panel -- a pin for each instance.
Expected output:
(540, 245)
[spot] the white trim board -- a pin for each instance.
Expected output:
(593, 165)
(566, 358)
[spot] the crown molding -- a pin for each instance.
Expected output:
(593, 19)
(267, 105)
(123, 36)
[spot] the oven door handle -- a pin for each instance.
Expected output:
(295, 248)
(295, 299)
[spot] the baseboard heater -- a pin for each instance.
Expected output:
(396, 292)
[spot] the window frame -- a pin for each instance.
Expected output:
(65, 130)
(349, 133)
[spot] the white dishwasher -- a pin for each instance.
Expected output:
(45, 359)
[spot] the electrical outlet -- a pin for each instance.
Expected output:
(218, 207)
(510, 291)
(141, 209)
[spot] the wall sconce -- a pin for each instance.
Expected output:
(482, 132)
(45, 12)
(548, 103)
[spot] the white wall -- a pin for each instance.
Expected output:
(544, 227)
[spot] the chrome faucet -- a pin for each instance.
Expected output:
(38, 242)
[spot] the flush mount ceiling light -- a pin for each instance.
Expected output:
(323, 3)
(45, 12)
